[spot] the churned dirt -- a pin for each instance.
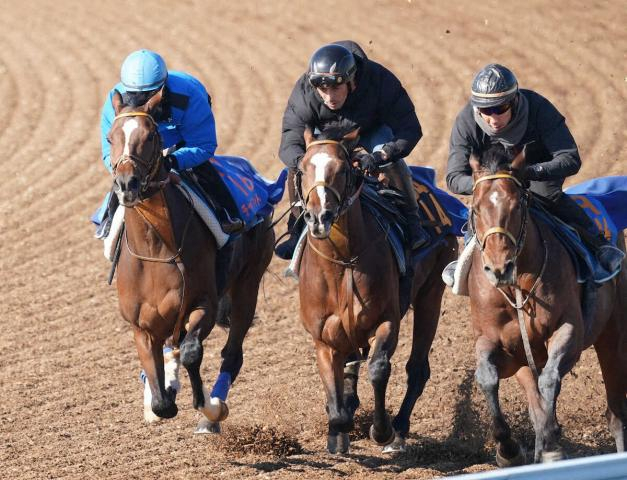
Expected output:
(70, 396)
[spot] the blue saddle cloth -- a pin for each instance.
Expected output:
(254, 195)
(443, 213)
(603, 200)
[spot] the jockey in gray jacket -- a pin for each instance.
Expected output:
(500, 112)
(343, 86)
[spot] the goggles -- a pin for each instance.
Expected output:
(496, 110)
(319, 80)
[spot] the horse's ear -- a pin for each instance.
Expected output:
(518, 163)
(117, 102)
(352, 136)
(309, 136)
(155, 100)
(475, 164)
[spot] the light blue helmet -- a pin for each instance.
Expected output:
(142, 71)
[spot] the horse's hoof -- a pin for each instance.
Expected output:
(149, 415)
(515, 461)
(383, 443)
(397, 446)
(552, 456)
(338, 443)
(205, 426)
(215, 410)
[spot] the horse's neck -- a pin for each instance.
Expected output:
(150, 222)
(532, 253)
(348, 235)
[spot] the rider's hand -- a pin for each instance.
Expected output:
(370, 162)
(169, 162)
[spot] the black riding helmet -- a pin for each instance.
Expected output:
(331, 65)
(493, 85)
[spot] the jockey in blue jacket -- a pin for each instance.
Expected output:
(185, 123)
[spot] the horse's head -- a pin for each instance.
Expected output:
(135, 149)
(499, 212)
(326, 179)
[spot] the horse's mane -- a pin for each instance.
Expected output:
(496, 159)
(335, 130)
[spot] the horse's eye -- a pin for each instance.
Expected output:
(108, 140)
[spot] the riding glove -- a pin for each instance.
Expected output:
(170, 162)
(370, 161)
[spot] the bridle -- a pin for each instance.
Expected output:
(518, 242)
(152, 165)
(345, 199)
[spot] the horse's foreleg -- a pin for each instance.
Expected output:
(158, 402)
(331, 369)
(379, 369)
(611, 348)
(563, 352)
(508, 451)
(426, 315)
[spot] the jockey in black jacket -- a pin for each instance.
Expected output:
(500, 112)
(343, 86)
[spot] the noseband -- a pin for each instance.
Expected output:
(136, 161)
(524, 199)
(344, 200)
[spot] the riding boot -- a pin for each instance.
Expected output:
(569, 211)
(103, 229)
(218, 193)
(295, 223)
(400, 175)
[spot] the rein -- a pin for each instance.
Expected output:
(519, 303)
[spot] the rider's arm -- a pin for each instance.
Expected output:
(106, 119)
(197, 129)
(399, 114)
(296, 117)
(556, 137)
(458, 171)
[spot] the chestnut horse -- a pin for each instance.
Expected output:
(527, 315)
(349, 294)
(167, 269)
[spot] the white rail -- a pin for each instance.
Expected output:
(601, 467)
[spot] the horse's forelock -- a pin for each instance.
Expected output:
(496, 159)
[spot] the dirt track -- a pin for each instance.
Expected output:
(70, 398)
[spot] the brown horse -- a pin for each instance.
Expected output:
(167, 269)
(349, 294)
(527, 315)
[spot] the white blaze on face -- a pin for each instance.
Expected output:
(320, 161)
(129, 126)
(495, 198)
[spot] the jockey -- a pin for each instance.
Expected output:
(343, 85)
(498, 111)
(185, 122)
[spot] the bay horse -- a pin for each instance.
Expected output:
(526, 311)
(167, 270)
(349, 294)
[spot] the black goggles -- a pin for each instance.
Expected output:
(496, 110)
(319, 80)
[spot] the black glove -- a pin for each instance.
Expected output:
(370, 162)
(534, 172)
(170, 162)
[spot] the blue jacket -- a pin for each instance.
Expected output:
(185, 119)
